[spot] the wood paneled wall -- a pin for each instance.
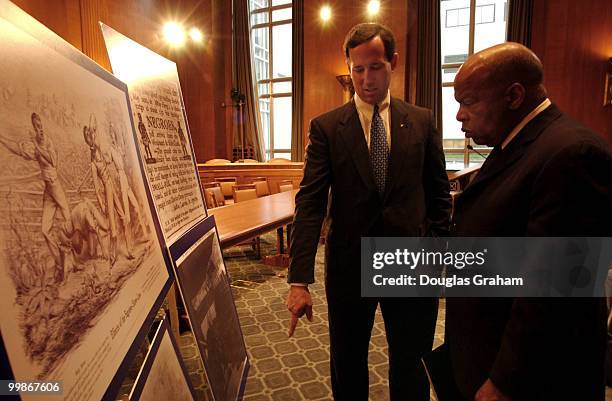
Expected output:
(323, 58)
(205, 82)
(574, 41)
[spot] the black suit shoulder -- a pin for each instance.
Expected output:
(416, 114)
(332, 117)
(564, 134)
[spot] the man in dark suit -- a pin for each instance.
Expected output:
(546, 176)
(383, 161)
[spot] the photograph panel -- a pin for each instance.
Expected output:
(163, 375)
(207, 295)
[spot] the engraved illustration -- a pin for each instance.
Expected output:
(163, 133)
(69, 267)
(146, 141)
(81, 265)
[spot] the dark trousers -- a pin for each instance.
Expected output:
(409, 328)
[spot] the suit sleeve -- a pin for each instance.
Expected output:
(572, 196)
(435, 181)
(310, 206)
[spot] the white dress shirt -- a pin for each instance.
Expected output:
(543, 106)
(365, 111)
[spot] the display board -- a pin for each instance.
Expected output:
(82, 263)
(163, 133)
(206, 292)
(163, 375)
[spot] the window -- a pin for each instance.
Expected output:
(271, 41)
(468, 26)
(485, 14)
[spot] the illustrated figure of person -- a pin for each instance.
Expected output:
(105, 177)
(128, 198)
(183, 140)
(381, 160)
(547, 176)
(88, 227)
(42, 150)
(144, 136)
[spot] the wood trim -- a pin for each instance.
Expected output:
(93, 11)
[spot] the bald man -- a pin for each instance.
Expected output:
(546, 176)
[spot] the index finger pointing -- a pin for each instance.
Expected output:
(292, 324)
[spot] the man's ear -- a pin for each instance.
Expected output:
(515, 95)
(394, 61)
(348, 64)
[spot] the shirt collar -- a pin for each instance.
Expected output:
(368, 108)
(543, 106)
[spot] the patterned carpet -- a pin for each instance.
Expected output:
(297, 368)
(282, 368)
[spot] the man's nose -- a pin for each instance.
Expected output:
(460, 114)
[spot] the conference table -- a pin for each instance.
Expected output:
(242, 221)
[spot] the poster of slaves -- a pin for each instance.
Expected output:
(163, 133)
(204, 285)
(163, 375)
(81, 264)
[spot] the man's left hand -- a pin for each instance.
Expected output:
(489, 392)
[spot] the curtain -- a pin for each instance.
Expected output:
(520, 13)
(429, 74)
(247, 122)
(297, 82)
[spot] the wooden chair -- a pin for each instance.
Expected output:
(218, 161)
(261, 186)
(247, 161)
(213, 195)
(285, 185)
(226, 185)
(279, 160)
(209, 198)
(243, 193)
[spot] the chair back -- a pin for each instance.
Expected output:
(209, 198)
(285, 185)
(261, 186)
(244, 192)
(212, 194)
(217, 161)
(279, 160)
(226, 185)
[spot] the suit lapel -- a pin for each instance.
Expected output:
(401, 136)
(353, 136)
(500, 160)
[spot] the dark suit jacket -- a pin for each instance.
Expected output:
(416, 201)
(553, 179)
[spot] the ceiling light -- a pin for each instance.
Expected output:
(325, 13)
(196, 35)
(174, 33)
(373, 7)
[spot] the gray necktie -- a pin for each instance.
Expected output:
(379, 150)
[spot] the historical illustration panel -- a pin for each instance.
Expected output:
(163, 132)
(81, 264)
